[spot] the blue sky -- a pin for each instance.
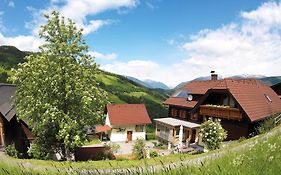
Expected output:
(163, 40)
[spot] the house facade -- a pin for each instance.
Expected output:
(240, 104)
(12, 131)
(125, 122)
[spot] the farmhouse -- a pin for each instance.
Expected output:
(277, 89)
(12, 130)
(240, 104)
(125, 122)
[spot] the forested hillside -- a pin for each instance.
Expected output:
(119, 88)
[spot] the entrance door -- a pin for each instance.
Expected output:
(129, 135)
(193, 135)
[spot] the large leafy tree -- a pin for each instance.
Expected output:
(57, 91)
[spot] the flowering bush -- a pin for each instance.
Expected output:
(212, 133)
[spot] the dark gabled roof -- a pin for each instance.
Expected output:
(193, 87)
(7, 91)
(256, 99)
(126, 114)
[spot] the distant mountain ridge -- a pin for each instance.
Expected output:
(151, 84)
(267, 80)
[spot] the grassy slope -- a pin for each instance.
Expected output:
(119, 88)
(122, 90)
(259, 155)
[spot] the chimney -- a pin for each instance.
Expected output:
(214, 76)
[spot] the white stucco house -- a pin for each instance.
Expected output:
(125, 122)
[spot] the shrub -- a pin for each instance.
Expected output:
(139, 149)
(213, 133)
(37, 152)
(114, 147)
(267, 124)
(153, 154)
(241, 139)
(150, 136)
(10, 150)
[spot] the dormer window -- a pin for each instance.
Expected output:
(267, 97)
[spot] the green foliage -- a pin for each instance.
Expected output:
(268, 124)
(114, 147)
(10, 56)
(122, 90)
(139, 149)
(150, 136)
(153, 154)
(259, 158)
(40, 151)
(10, 150)
(212, 133)
(57, 91)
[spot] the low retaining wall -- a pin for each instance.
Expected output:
(93, 153)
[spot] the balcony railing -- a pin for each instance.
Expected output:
(221, 112)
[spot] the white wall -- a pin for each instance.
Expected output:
(117, 136)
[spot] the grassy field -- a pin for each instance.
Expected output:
(122, 90)
(259, 158)
(256, 156)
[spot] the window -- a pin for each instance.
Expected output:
(194, 117)
(174, 112)
(268, 98)
(182, 114)
(139, 128)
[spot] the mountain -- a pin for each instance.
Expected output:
(137, 81)
(123, 90)
(271, 80)
(203, 78)
(247, 76)
(267, 80)
(156, 84)
(120, 89)
(151, 84)
(10, 56)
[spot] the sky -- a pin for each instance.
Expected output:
(163, 40)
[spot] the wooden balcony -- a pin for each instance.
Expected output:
(221, 112)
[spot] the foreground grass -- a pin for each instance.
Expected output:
(256, 157)
(259, 158)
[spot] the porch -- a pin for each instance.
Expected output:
(177, 132)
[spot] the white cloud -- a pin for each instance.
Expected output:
(78, 11)
(251, 46)
(93, 26)
(98, 55)
(26, 43)
(142, 69)
(11, 4)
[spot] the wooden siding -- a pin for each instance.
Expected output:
(226, 113)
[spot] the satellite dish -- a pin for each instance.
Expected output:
(189, 97)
